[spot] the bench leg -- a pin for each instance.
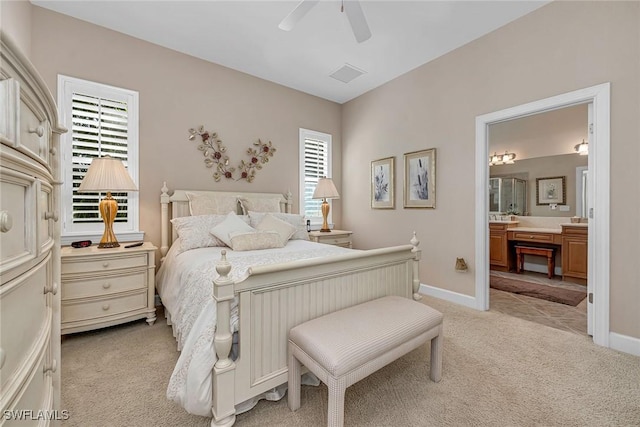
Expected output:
(335, 414)
(294, 382)
(435, 373)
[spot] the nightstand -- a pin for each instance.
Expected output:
(105, 287)
(333, 237)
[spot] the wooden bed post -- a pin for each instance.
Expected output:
(164, 220)
(416, 264)
(223, 407)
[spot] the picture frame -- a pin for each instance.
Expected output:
(420, 179)
(383, 183)
(552, 190)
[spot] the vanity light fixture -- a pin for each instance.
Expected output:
(582, 148)
(502, 159)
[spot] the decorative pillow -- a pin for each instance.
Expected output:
(243, 241)
(194, 231)
(205, 204)
(232, 223)
(294, 219)
(260, 204)
(283, 228)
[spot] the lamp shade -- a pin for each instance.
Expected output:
(107, 174)
(582, 148)
(325, 189)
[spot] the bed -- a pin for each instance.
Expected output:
(248, 300)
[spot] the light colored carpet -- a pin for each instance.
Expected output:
(497, 371)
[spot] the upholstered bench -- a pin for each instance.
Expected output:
(345, 346)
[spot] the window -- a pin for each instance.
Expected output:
(315, 163)
(101, 120)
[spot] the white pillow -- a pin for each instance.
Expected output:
(242, 241)
(294, 219)
(232, 223)
(194, 231)
(205, 204)
(260, 204)
(283, 228)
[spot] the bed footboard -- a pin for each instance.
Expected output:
(275, 298)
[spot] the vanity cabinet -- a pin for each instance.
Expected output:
(574, 253)
(499, 258)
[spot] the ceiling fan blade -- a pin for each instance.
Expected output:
(357, 20)
(297, 14)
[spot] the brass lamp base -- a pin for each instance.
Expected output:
(325, 212)
(108, 211)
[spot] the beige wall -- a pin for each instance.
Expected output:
(15, 21)
(545, 167)
(178, 92)
(558, 48)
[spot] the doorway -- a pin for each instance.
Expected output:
(598, 193)
(542, 146)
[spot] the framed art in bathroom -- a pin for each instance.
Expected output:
(551, 191)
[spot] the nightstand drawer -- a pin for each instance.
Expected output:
(108, 284)
(104, 263)
(337, 241)
(76, 311)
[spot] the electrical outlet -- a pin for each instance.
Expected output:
(565, 208)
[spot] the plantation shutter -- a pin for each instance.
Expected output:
(99, 127)
(316, 166)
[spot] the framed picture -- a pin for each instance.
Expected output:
(383, 183)
(551, 191)
(420, 179)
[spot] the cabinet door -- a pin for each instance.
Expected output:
(498, 249)
(574, 257)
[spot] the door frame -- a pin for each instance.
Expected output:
(598, 192)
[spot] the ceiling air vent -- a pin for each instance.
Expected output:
(347, 73)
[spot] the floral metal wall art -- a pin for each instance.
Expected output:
(258, 155)
(214, 153)
(215, 156)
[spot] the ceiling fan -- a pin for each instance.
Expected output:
(351, 7)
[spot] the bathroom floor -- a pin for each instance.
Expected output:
(556, 315)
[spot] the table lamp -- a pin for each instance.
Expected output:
(107, 174)
(325, 190)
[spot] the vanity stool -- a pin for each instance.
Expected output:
(550, 253)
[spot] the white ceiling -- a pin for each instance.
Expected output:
(244, 35)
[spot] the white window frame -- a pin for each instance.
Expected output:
(125, 231)
(316, 221)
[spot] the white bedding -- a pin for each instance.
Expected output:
(185, 285)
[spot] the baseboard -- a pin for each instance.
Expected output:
(624, 343)
(454, 297)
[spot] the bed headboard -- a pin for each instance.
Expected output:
(177, 205)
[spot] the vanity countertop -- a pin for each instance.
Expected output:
(491, 221)
(538, 230)
(575, 224)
